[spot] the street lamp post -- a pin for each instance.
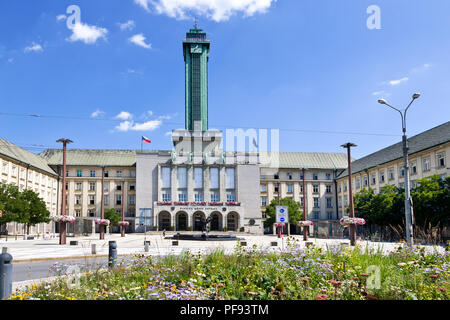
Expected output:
(408, 205)
(123, 208)
(62, 225)
(348, 146)
(102, 208)
(305, 213)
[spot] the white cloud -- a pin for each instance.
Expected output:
(34, 47)
(139, 40)
(168, 133)
(124, 116)
(145, 126)
(86, 33)
(61, 17)
(129, 25)
(11, 60)
(397, 82)
(217, 10)
(97, 113)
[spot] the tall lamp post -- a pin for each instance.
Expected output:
(62, 225)
(348, 146)
(408, 206)
(123, 208)
(102, 208)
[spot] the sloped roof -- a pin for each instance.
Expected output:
(12, 151)
(91, 157)
(312, 160)
(425, 140)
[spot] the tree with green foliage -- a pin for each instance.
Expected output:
(10, 203)
(36, 211)
(295, 213)
(431, 201)
(113, 216)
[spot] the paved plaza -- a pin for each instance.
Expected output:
(35, 250)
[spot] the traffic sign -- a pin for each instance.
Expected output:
(282, 214)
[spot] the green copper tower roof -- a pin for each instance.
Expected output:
(196, 57)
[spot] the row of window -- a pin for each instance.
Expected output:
(118, 200)
(198, 197)
(426, 166)
(79, 186)
(316, 201)
(37, 176)
(198, 178)
(91, 213)
(290, 188)
(93, 173)
(299, 176)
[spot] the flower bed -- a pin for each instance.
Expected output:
(67, 219)
(181, 203)
(305, 223)
(233, 203)
(216, 204)
(202, 203)
(295, 273)
(164, 203)
(103, 222)
(352, 221)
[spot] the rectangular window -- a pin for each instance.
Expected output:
(391, 174)
(119, 173)
(118, 199)
(316, 215)
(119, 187)
(165, 172)
(374, 179)
(79, 173)
(91, 213)
(329, 202)
(328, 176)
(132, 174)
(214, 178)
(132, 200)
(106, 174)
(132, 187)
(290, 188)
(91, 186)
(78, 213)
(365, 182)
(263, 201)
(315, 176)
(402, 172)
(67, 186)
(264, 188)
(181, 176)
(330, 215)
(316, 203)
(77, 199)
(5, 167)
(198, 197)
(231, 197)
(328, 189)
(426, 164)
(182, 197)
(67, 173)
(289, 175)
(106, 186)
(358, 183)
(230, 178)
(166, 197)
(92, 174)
(345, 187)
(79, 186)
(316, 188)
(441, 160)
(214, 197)
(382, 178)
(301, 188)
(106, 200)
(198, 178)
(413, 168)
(91, 199)
(14, 171)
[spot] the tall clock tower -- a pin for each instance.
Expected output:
(196, 56)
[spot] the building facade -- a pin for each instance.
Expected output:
(428, 155)
(28, 171)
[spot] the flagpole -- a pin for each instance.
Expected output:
(141, 144)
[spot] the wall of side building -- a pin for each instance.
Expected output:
(29, 178)
(422, 164)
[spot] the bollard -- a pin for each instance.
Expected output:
(5, 276)
(146, 246)
(94, 249)
(112, 254)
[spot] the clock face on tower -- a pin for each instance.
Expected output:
(195, 48)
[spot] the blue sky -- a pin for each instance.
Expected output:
(312, 66)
